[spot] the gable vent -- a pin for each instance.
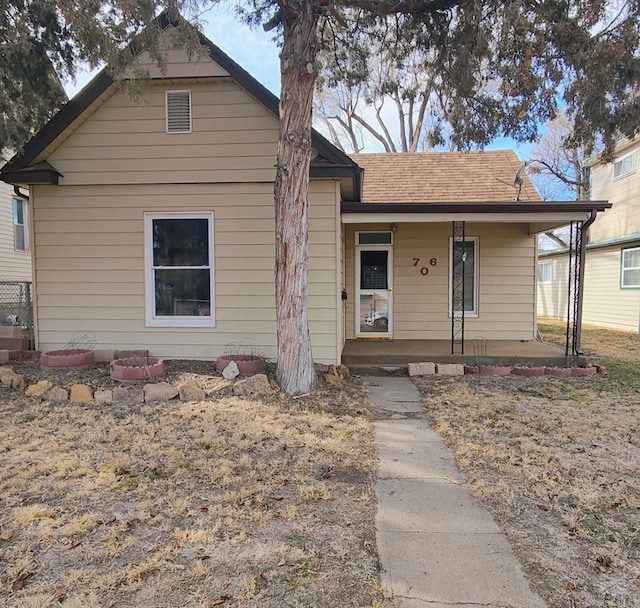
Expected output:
(178, 111)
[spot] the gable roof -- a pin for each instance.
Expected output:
(436, 177)
(334, 162)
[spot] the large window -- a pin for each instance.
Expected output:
(179, 269)
(625, 166)
(20, 234)
(464, 255)
(545, 272)
(630, 275)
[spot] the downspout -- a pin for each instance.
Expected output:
(583, 249)
(16, 191)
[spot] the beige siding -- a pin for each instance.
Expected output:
(125, 141)
(624, 194)
(552, 297)
(13, 264)
(506, 281)
(604, 302)
(90, 267)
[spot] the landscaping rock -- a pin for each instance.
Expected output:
(129, 394)
(4, 356)
(39, 389)
(333, 379)
(81, 393)
(103, 397)
(602, 370)
(253, 386)
(422, 369)
(231, 371)
(9, 378)
(450, 369)
(57, 393)
(18, 382)
(159, 391)
(191, 391)
(6, 375)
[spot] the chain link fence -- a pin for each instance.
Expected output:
(16, 305)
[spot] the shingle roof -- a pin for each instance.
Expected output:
(432, 177)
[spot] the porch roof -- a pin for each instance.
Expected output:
(540, 216)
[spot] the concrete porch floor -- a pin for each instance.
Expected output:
(376, 353)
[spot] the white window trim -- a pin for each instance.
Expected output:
(476, 286)
(545, 264)
(151, 319)
(166, 111)
(374, 245)
(24, 225)
(620, 162)
(622, 268)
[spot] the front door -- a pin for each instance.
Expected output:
(374, 301)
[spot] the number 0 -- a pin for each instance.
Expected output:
(424, 271)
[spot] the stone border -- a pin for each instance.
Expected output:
(134, 370)
(248, 365)
(74, 358)
(457, 369)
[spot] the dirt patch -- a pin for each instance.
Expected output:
(225, 502)
(622, 345)
(556, 462)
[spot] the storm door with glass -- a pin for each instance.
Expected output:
(374, 290)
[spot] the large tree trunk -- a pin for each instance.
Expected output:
(295, 370)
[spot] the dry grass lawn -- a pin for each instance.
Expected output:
(557, 461)
(226, 502)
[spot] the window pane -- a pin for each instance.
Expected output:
(631, 278)
(467, 251)
(631, 258)
(374, 238)
(18, 212)
(181, 242)
(20, 241)
(545, 274)
(373, 269)
(184, 292)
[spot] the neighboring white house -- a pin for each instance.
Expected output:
(611, 289)
(15, 254)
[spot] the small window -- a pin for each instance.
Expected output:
(630, 275)
(464, 255)
(625, 166)
(545, 272)
(374, 238)
(178, 111)
(179, 270)
(20, 236)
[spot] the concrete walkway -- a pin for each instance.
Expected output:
(437, 547)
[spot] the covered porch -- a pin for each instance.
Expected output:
(398, 353)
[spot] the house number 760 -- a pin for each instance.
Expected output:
(424, 271)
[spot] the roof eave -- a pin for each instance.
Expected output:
(457, 208)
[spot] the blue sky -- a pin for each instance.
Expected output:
(257, 52)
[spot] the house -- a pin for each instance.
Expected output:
(153, 226)
(15, 256)
(611, 288)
